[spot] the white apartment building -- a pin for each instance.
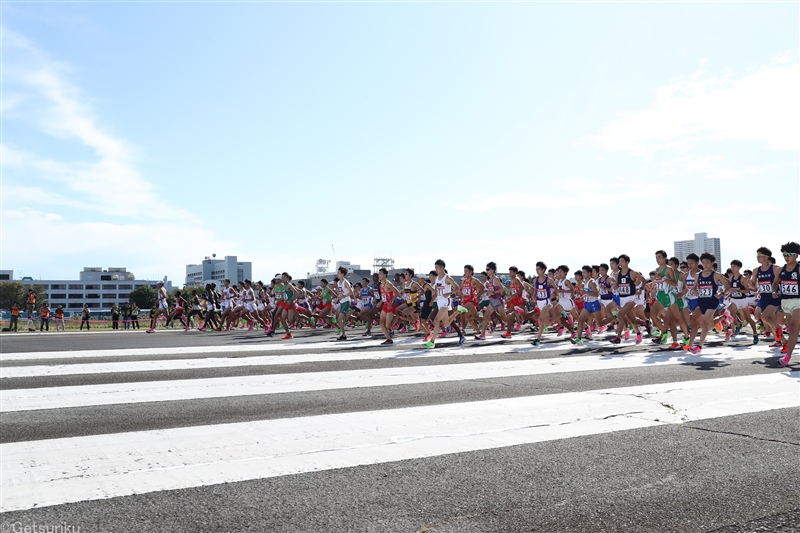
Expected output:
(216, 270)
(99, 288)
(701, 243)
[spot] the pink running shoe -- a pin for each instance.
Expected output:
(561, 331)
(728, 335)
(506, 335)
(428, 337)
(784, 361)
(639, 338)
(602, 330)
(627, 335)
(695, 350)
(151, 330)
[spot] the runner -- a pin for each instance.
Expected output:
(740, 285)
(765, 277)
(543, 285)
(707, 284)
(790, 297)
(445, 287)
(626, 282)
(590, 291)
(344, 294)
(388, 294)
(515, 301)
(495, 293)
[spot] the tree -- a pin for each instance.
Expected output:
(15, 292)
(144, 296)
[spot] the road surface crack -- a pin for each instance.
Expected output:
(743, 435)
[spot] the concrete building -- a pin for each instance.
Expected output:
(99, 288)
(216, 270)
(701, 243)
(354, 274)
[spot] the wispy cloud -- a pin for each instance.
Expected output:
(762, 106)
(58, 109)
(711, 166)
(89, 203)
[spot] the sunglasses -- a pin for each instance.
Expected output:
(789, 255)
(684, 266)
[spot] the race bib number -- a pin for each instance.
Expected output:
(625, 290)
(706, 292)
(764, 287)
(541, 295)
(789, 288)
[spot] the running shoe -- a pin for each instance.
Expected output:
(388, 341)
(480, 337)
(785, 349)
(784, 361)
(737, 330)
(627, 335)
(675, 346)
(573, 335)
(202, 329)
(186, 328)
(602, 330)
(695, 350)
(561, 331)
(461, 340)
(461, 309)
(429, 345)
(639, 338)
(728, 335)
(537, 342)
(428, 337)
(665, 338)
(616, 340)
(755, 339)
(341, 337)
(367, 334)
(575, 340)
(506, 335)
(287, 337)
(151, 330)
(416, 325)
(776, 344)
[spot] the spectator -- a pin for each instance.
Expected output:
(14, 317)
(114, 317)
(44, 312)
(126, 316)
(60, 319)
(135, 316)
(31, 303)
(85, 314)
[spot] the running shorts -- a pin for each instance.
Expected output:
(592, 307)
(740, 303)
(344, 307)
(623, 300)
(665, 298)
(790, 305)
(707, 304)
(693, 304)
(567, 304)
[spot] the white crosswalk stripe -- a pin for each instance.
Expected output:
(52, 471)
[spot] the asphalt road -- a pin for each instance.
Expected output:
(726, 473)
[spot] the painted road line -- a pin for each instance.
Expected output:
(51, 472)
(191, 389)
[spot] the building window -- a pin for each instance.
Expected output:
(125, 287)
(57, 287)
(79, 287)
(123, 296)
(109, 287)
(105, 278)
(76, 296)
(5, 277)
(110, 296)
(58, 296)
(92, 287)
(93, 296)
(75, 306)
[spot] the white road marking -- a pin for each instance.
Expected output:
(51, 472)
(190, 389)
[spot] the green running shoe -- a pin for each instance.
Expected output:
(429, 344)
(461, 309)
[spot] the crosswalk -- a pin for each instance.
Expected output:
(657, 388)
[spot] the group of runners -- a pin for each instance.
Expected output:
(678, 298)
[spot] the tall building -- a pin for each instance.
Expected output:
(213, 269)
(99, 288)
(701, 243)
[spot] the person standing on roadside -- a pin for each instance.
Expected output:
(31, 303)
(85, 314)
(114, 317)
(14, 317)
(134, 316)
(60, 318)
(126, 316)
(44, 313)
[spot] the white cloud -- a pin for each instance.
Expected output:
(59, 110)
(762, 106)
(711, 166)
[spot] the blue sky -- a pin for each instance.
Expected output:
(151, 135)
